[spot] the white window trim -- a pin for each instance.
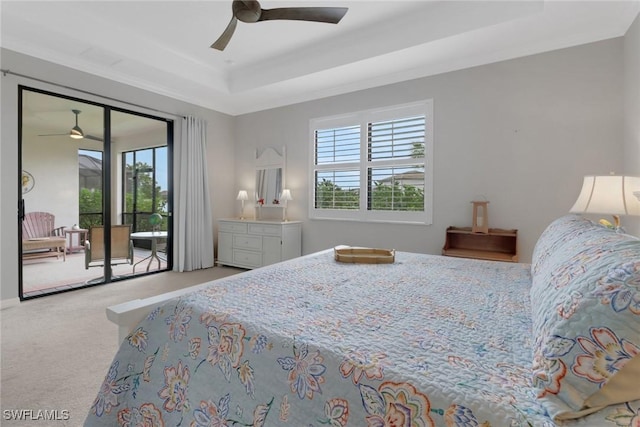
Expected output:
(363, 117)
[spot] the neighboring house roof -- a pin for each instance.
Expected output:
(90, 172)
(89, 166)
(405, 176)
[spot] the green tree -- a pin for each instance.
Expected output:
(146, 188)
(331, 196)
(417, 152)
(90, 204)
(384, 197)
(397, 197)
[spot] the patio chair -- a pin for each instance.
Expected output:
(121, 246)
(40, 236)
(40, 224)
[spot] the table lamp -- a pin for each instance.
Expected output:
(285, 197)
(609, 194)
(242, 196)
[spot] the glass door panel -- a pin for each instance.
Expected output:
(144, 201)
(56, 132)
(105, 194)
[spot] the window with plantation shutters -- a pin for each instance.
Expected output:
(374, 165)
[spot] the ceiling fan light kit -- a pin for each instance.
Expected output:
(249, 11)
(76, 131)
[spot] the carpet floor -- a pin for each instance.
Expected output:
(55, 350)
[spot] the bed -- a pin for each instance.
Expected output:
(425, 341)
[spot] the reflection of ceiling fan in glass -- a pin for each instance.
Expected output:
(75, 132)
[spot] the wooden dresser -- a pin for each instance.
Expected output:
(252, 244)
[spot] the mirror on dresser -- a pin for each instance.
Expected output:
(270, 178)
(269, 186)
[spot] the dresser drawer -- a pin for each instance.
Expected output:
(265, 229)
(252, 244)
(232, 227)
(245, 241)
(247, 258)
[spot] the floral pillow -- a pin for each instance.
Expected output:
(586, 317)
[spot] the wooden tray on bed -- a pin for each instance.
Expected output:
(361, 255)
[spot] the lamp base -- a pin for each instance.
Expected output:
(615, 226)
(616, 221)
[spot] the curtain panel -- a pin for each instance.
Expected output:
(194, 237)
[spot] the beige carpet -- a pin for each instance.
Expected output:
(55, 350)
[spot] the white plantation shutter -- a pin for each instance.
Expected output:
(396, 139)
(337, 145)
(372, 165)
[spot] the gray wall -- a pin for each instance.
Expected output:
(522, 133)
(632, 112)
(219, 141)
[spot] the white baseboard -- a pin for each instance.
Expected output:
(9, 302)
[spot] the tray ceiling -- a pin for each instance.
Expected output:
(163, 46)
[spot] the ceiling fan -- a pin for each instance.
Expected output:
(249, 11)
(75, 132)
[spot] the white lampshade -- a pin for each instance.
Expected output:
(286, 195)
(242, 195)
(608, 194)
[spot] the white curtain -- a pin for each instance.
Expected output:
(194, 239)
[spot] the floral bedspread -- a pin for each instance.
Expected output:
(426, 341)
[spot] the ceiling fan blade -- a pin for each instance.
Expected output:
(95, 138)
(223, 40)
(331, 15)
(55, 134)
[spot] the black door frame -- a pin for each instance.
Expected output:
(106, 185)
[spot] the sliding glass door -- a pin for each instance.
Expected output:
(96, 193)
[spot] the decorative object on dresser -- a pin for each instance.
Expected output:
(252, 244)
(284, 198)
(608, 194)
(637, 194)
(242, 196)
(495, 245)
(480, 223)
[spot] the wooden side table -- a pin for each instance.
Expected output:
(82, 236)
(496, 245)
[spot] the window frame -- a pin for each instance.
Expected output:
(363, 118)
